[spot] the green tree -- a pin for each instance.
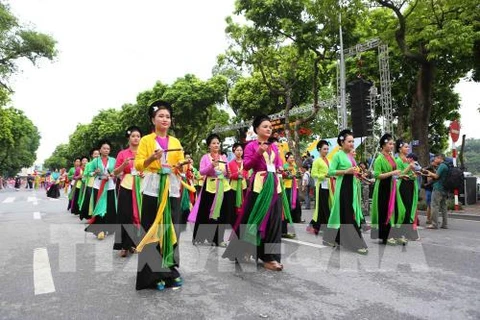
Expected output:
(196, 111)
(445, 102)
(20, 140)
(18, 144)
(282, 37)
(106, 125)
(60, 158)
(250, 94)
(472, 155)
(195, 114)
(438, 39)
(137, 113)
(18, 42)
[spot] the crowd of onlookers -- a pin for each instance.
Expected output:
(16, 183)
(6, 183)
(31, 181)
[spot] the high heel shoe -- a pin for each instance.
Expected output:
(160, 286)
(176, 283)
(329, 244)
(362, 251)
(272, 265)
(391, 242)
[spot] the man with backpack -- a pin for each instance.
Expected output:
(439, 192)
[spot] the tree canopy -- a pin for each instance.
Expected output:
(437, 39)
(472, 156)
(19, 138)
(16, 42)
(432, 45)
(195, 113)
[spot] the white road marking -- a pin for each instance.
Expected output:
(9, 200)
(314, 245)
(34, 200)
(42, 274)
(37, 216)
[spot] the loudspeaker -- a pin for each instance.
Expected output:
(362, 120)
(470, 190)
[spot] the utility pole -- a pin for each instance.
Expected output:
(343, 102)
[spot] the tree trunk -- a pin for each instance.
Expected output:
(400, 126)
(288, 106)
(296, 150)
(316, 108)
(420, 112)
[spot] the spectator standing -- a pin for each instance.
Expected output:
(307, 161)
(439, 194)
(427, 184)
(306, 177)
(366, 182)
(29, 181)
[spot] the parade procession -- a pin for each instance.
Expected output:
(240, 160)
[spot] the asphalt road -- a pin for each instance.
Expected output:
(51, 269)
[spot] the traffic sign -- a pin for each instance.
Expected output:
(455, 130)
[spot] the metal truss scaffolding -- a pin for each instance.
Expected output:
(385, 88)
(385, 92)
(385, 83)
(279, 115)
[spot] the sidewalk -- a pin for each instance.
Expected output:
(468, 212)
(470, 209)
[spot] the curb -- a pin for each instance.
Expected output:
(458, 215)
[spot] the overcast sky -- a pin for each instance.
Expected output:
(110, 50)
